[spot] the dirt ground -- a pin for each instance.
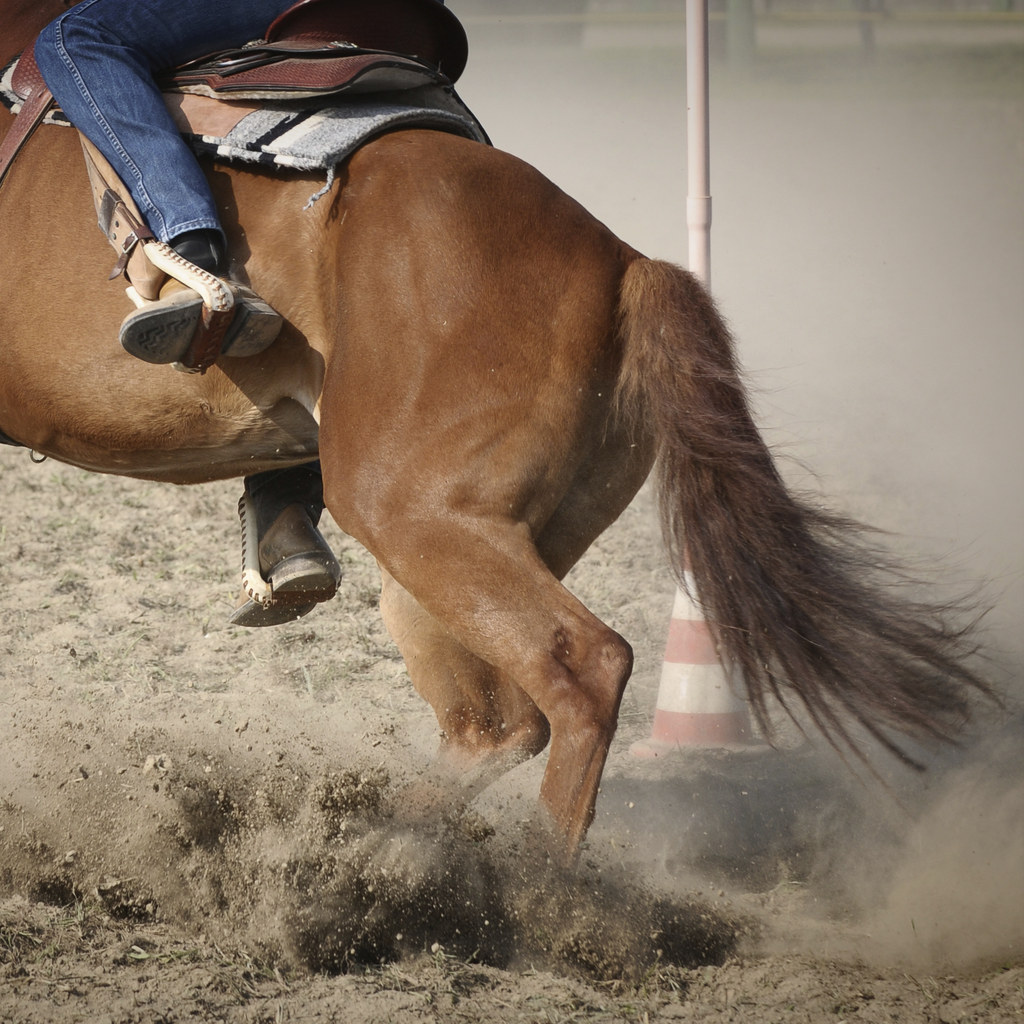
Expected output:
(205, 823)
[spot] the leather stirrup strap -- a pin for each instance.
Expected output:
(33, 110)
(120, 220)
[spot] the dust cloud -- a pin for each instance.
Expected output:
(957, 893)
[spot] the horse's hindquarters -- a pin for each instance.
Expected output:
(470, 441)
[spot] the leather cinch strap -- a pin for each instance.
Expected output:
(38, 100)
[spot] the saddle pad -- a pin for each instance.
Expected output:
(316, 134)
(314, 137)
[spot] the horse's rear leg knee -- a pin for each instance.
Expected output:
(581, 684)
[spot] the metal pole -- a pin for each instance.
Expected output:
(698, 146)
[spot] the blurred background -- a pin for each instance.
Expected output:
(867, 174)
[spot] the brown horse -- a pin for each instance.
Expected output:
(488, 375)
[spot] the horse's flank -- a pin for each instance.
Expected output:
(69, 391)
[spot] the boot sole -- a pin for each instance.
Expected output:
(314, 574)
(255, 615)
(254, 329)
(161, 334)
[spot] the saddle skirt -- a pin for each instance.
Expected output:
(317, 131)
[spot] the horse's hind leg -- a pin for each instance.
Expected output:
(500, 603)
(488, 724)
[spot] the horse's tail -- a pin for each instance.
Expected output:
(799, 604)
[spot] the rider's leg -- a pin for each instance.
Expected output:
(99, 59)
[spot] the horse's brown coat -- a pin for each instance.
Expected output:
(493, 372)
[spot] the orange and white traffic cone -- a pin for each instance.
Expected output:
(698, 705)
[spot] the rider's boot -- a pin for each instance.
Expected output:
(294, 558)
(161, 331)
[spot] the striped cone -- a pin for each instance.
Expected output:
(697, 704)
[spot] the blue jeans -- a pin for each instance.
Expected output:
(98, 60)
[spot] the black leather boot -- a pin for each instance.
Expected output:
(205, 249)
(294, 557)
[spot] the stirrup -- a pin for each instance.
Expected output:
(200, 318)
